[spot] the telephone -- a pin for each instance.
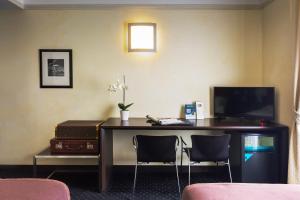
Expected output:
(152, 120)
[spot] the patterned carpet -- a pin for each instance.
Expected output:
(149, 186)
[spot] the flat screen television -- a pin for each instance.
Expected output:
(256, 103)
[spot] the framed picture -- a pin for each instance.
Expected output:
(56, 68)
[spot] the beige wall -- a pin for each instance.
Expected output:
(279, 28)
(197, 49)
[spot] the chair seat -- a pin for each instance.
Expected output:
(196, 159)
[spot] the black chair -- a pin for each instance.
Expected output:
(155, 149)
(205, 148)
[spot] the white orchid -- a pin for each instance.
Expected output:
(117, 86)
(123, 87)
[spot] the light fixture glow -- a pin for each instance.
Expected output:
(141, 37)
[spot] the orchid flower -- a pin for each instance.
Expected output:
(123, 87)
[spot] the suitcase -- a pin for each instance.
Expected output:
(78, 129)
(63, 146)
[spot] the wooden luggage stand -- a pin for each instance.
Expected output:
(69, 144)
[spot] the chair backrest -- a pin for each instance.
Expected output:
(156, 148)
(210, 147)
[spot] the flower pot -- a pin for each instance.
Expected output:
(124, 115)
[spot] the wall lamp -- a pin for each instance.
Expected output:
(141, 37)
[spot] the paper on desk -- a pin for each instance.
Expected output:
(170, 121)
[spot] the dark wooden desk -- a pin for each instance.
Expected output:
(233, 127)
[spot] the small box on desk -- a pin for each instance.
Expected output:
(190, 111)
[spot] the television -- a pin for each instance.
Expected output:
(257, 103)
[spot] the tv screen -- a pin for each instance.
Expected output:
(245, 102)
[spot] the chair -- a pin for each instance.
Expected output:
(244, 191)
(214, 148)
(155, 149)
(33, 189)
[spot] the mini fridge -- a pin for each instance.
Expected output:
(259, 158)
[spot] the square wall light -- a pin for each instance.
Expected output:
(141, 37)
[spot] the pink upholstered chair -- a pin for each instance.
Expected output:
(33, 189)
(241, 191)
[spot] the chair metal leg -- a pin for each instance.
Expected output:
(189, 171)
(178, 182)
(34, 167)
(228, 163)
(135, 176)
(181, 158)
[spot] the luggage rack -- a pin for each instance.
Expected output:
(46, 154)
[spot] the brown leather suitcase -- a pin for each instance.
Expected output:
(78, 129)
(63, 146)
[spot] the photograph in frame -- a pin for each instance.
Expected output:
(56, 68)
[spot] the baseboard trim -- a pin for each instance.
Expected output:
(45, 167)
(168, 169)
(120, 169)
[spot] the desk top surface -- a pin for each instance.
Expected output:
(205, 124)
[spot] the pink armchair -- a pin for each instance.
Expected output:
(33, 189)
(241, 191)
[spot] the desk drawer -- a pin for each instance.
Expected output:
(60, 146)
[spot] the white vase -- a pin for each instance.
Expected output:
(124, 115)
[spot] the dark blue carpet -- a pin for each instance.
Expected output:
(149, 186)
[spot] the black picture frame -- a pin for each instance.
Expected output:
(56, 68)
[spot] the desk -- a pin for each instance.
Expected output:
(237, 128)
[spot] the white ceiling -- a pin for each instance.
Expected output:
(69, 4)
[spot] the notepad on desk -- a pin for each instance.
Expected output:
(170, 121)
